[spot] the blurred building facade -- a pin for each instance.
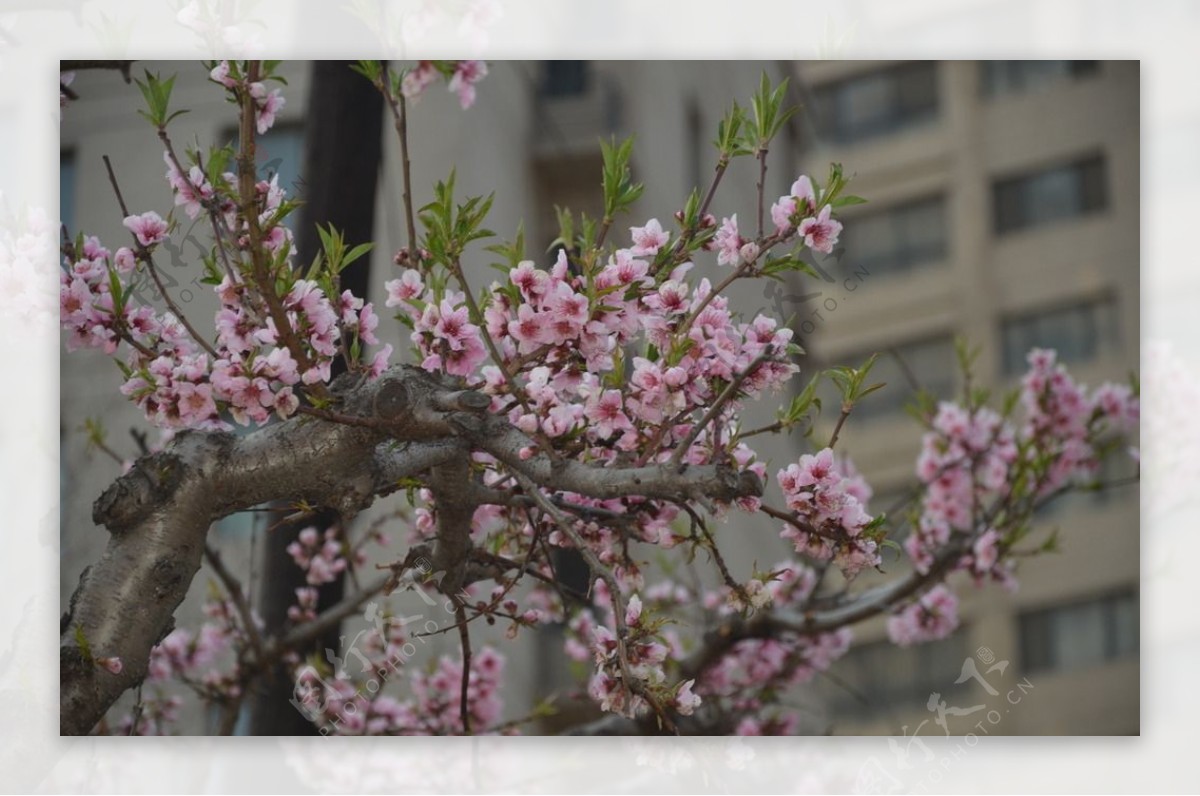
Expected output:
(1003, 206)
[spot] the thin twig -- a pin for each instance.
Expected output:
(399, 108)
(146, 257)
(841, 421)
(688, 234)
(762, 182)
(464, 638)
(138, 707)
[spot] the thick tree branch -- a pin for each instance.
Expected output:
(716, 481)
(159, 513)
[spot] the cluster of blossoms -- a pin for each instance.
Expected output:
(828, 500)
(562, 335)
(266, 103)
(355, 703)
(745, 678)
(321, 559)
(645, 654)
(933, 616)
(254, 373)
(740, 683)
(464, 75)
(88, 312)
(969, 459)
(798, 211)
(193, 191)
(567, 331)
(965, 459)
(1065, 422)
(194, 659)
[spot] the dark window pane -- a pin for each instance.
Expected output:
(898, 238)
(1080, 634)
(1015, 77)
(281, 151)
(564, 78)
(876, 103)
(1078, 332)
(879, 675)
(1050, 195)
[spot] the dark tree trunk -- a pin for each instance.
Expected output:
(342, 154)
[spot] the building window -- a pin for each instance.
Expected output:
(1080, 634)
(564, 78)
(877, 103)
(881, 676)
(1050, 195)
(66, 191)
(899, 238)
(280, 151)
(1078, 332)
(1018, 77)
(929, 362)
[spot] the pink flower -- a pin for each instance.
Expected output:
(530, 329)
(931, 617)
(466, 75)
(464, 361)
(782, 212)
(649, 239)
(820, 233)
(606, 415)
(380, 362)
(124, 261)
(802, 199)
(749, 252)
(986, 551)
(417, 80)
(149, 228)
(568, 312)
(268, 104)
(728, 242)
(408, 286)
(802, 189)
(685, 701)
(531, 280)
(633, 611)
(220, 74)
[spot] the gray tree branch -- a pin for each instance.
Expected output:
(407, 423)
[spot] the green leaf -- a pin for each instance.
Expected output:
(847, 201)
(355, 253)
